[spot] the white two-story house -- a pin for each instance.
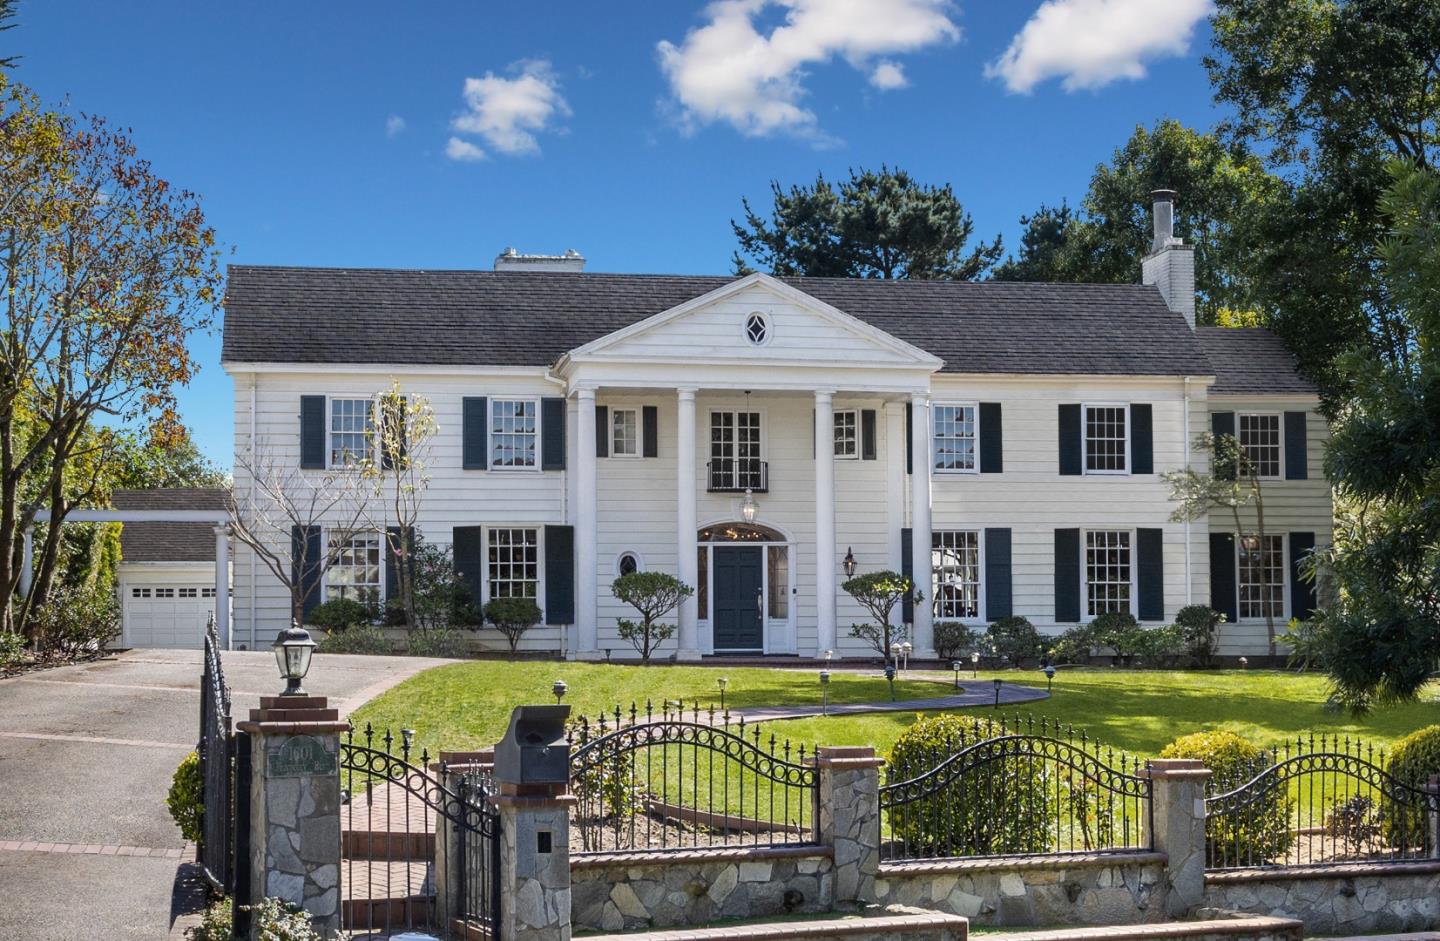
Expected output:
(749, 434)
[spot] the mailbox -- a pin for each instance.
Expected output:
(534, 750)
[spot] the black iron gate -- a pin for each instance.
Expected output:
(420, 843)
(216, 767)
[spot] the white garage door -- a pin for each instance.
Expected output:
(168, 615)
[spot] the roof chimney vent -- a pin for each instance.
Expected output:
(511, 260)
(1164, 203)
(1170, 266)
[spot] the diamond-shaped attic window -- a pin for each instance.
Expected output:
(757, 330)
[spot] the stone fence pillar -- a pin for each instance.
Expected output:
(847, 818)
(534, 861)
(451, 770)
(1433, 817)
(1178, 818)
(295, 805)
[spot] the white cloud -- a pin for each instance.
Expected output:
(887, 76)
(394, 125)
(728, 70)
(508, 112)
(463, 150)
(1090, 43)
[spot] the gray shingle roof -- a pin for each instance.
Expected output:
(513, 318)
(1251, 361)
(168, 542)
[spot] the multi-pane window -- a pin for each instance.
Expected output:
(514, 563)
(735, 450)
(356, 571)
(1262, 576)
(1105, 439)
(1260, 437)
(352, 431)
(140, 593)
(955, 437)
(513, 427)
(955, 573)
(1107, 571)
(207, 593)
(190, 593)
(625, 432)
(847, 434)
(777, 575)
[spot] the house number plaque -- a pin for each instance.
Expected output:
(300, 756)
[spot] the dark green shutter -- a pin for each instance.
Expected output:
(312, 432)
(475, 433)
(1142, 439)
(1070, 441)
(1221, 425)
(907, 568)
(468, 549)
(992, 436)
(909, 440)
(1302, 590)
(1150, 574)
(552, 433)
(867, 434)
(560, 575)
(1222, 575)
(393, 445)
(393, 538)
(998, 594)
(1067, 575)
(1297, 457)
(650, 431)
(602, 431)
(306, 546)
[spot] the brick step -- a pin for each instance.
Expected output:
(896, 923)
(1249, 928)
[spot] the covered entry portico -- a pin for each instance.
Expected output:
(744, 589)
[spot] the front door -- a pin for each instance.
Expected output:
(738, 578)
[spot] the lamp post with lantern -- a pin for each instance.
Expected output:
(974, 664)
(293, 649)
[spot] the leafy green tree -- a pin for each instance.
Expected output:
(1043, 244)
(879, 593)
(7, 14)
(654, 595)
(881, 224)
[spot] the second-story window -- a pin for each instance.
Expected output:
(847, 434)
(955, 437)
(735, 462)
(352, 431)
(1260, 437)
(625, 432)
(1105, 439)
(513, 433)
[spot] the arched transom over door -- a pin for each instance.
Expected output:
(745, 588)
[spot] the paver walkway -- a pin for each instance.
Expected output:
(969, 697)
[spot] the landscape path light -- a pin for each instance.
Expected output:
(1049, 677)
(974, 664)
(293, 648)
(824, 692)
(998, 683)
(722, 682)
(559, 689)
(955, 665)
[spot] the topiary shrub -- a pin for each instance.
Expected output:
(1261, 833)
(186, 799)
(995, 808)
(1414, 761)
(1119, 631)
(1016, 639)
(1199, 625)
(339, 614)
(1073, 646)
(512, 617)
(953, 639)
(364, 638)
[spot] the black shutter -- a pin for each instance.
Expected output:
(650, 431)
(475, 434)
(1142, 439)
(312, 432)
(1222, 575)
(406, 543)
(602, 431)
(1302, 590)
(1222, 424)
(867, 434)
(468, 549)
(552, 433)
(1067, 575)
(1070, 440)
(393, 445)
(909, 443)
(907, 568)
(305, 545)
(998, 595)
(1150, 574)
(992, 436)
(560, 575)
(1297, 458)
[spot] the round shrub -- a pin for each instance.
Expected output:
(1259, 833)
(338, 614)
(186, 799)
(1016, 639)
(979, 812)
(954, 640)
(1414, 761)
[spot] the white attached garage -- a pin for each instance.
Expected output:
(167, 574)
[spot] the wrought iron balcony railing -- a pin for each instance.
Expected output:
(737, 475)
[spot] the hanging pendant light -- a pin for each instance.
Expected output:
(748, 508)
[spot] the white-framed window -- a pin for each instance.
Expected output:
(1261, 576)
(352, 431)
(736, 449)
(777, 581)
(625, 432)
(628, 563)
(513, 565)
(1107, 436)
(1259, 435)
(514, 434)
(757, 328)
(955, 574)
(1109, 571)
(847, 434)
(956, 430)
(356, 572)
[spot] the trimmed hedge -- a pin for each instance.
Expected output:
(186, 799)
(1414, 760)
(1262, 832)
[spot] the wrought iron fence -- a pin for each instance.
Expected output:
(1318, 801)
(1017, 787)
(672, 779)
(216, 767)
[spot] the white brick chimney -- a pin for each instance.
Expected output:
(1170, 266)
(511, 260)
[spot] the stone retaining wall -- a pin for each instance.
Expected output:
(621, 891)
(1092, 889)
(1347, 900)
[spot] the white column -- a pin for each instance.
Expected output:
(686, 566)
(586, 644)
(27, 563)
(824, 521)
(222, 586)
(894, 482)
(921, 463)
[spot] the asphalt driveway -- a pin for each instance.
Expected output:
(87, 848)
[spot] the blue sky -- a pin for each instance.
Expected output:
(435, 134)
